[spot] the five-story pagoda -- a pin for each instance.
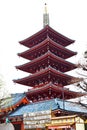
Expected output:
(47, 65)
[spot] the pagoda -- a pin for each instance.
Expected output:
(47, 65)
(45, 106)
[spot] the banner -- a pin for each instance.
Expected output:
(36, 119)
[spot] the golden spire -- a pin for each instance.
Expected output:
(45, 16)
(45, 8)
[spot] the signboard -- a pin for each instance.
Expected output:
(58, 127)
(36, 119)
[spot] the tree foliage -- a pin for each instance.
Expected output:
(83, 72)
(3, 89)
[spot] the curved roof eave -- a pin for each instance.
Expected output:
(46, 41)
(13, 102)
(46, 29)
(51, 104)
(56, 88)
(46, 55)
(49, 70)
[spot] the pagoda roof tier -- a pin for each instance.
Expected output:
(43, 47)
(49, 91)
(41, 35)
(44, 61)
(47, 75)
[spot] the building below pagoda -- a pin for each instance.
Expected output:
(46, 105)
(56, 115)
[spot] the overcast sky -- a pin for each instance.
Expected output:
(20, 19)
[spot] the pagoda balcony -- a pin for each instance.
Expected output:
(50, 75)
(44, 61)
(43, 47)
(43, 34)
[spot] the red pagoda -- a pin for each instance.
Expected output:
(45, 105)
(47, 65)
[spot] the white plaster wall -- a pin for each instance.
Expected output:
(80, 127)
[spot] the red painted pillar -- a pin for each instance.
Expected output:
(22, 126)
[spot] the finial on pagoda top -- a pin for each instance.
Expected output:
(45, 8)
(45, 16)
